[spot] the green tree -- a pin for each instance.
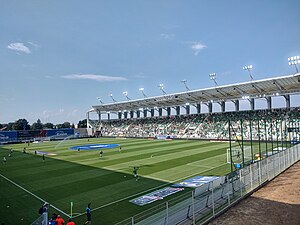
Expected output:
(37, 125)
(48, 125)
(9, 126)
(21, 124)
(64, 125)
(82, 123)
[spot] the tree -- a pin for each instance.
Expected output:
(82, 123)
(48, 125)
(37, 126)
(10, 126)
(64, 125)
(21, 124)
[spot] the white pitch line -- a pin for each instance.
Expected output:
(131, 196)
(34, 195)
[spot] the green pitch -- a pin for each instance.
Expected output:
(82, 176)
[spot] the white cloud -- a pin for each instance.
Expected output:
(34, 44)
(100, 78)
(140, 76)
(19, 47)
(167, 36)
(197, 47)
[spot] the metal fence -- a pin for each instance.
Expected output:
(207, 201)
(42, 220)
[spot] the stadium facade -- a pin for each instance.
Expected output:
(267, 89)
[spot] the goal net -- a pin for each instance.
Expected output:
(237, 154)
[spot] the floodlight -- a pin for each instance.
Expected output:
(249, 68)
(142, 90)
(99, 99)
(126, 95)
(294, 61)
(184, 82)
(213, 77)
(161, 87)
(111, 95)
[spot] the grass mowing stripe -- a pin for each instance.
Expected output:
(33, 194)
(149, 190)
(164, 160)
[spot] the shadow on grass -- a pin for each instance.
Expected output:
(60, 182)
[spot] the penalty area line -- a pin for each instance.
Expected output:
(17, 185)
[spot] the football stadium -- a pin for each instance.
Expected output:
(180, 158)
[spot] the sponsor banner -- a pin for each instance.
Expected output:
(8, 136)
(156, 195)
(60, 133)
(28, 133)
(165, 137)
(195, 181)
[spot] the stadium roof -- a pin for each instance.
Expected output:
(277, 86)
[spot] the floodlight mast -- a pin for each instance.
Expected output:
(213, 77)
(294, 61)
(99, 99)
(126, 95)
(142, 90)
(161, 87)
(249, 68)
(184, 82)
(111, 95)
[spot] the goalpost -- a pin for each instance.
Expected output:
(237, 155)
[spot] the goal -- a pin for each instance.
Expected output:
(237, 154)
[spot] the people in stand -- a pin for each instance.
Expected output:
(88, 214)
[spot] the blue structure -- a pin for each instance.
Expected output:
(8, 136)
(94, 146)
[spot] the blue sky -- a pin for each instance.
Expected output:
(58, 56)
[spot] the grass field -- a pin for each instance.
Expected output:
(82, 176)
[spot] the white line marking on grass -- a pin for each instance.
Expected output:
(140, 193)
(197, 165)
(34, 195)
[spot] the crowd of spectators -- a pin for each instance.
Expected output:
(258, 124)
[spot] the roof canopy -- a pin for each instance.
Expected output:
(277, 86)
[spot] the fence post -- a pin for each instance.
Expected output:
(240, 173)
(167, 212)
(132, 221)
(284, 163)
(228, 198)
(251, 181)
(268, 168)
(278, 163)
(212, 198)
(193, 207)
(259, 171)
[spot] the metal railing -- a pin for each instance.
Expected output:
(209, 200)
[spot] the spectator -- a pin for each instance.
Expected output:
(60, 220)
(70, 222)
